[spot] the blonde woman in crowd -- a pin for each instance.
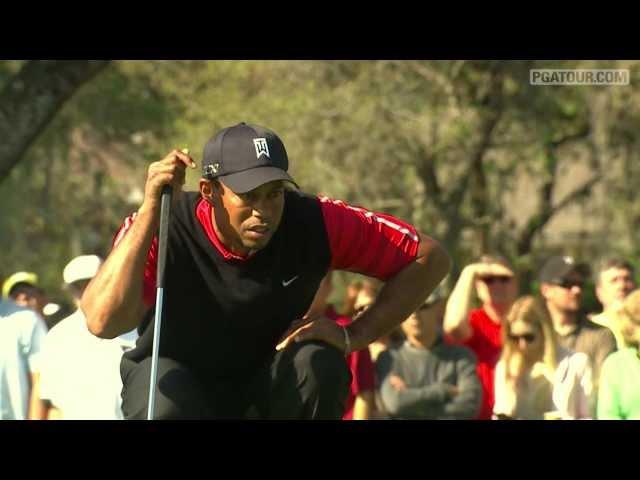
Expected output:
(535, 377)
(619, 393)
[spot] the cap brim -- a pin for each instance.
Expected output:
(247, 180)
(16, 278)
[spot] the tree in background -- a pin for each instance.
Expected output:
(30, 99)
(466, 150)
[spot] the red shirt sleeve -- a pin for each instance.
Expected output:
(149, 285)
(366, 242)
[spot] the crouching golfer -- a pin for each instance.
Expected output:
(245, 257)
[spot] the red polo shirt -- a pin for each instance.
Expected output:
(486, 343)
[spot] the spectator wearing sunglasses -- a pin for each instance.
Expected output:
(561, 285)
(492, 280)
(536, 376)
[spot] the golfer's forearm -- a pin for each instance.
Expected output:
(112, 302)
(456, 317)
(402, 294)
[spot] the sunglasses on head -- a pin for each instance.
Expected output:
(491, 279)
(527, 337)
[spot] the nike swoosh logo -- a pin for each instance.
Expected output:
(289, 282)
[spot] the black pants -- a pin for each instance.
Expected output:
(309, 380)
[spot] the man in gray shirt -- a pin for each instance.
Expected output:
(426, 378)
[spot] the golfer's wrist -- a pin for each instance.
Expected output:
(149, 213)
(357, 341)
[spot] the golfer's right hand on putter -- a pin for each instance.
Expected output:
(168, 171)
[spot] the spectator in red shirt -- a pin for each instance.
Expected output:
(493, 279)
(360, 404)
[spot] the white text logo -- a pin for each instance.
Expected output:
(261, 147)
(579, 77)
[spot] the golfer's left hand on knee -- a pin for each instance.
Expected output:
(317, 328)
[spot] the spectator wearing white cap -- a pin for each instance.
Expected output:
(80, 377)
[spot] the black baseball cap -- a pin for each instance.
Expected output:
(244, 157)
(559, 267)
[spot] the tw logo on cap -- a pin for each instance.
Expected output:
(261, 147)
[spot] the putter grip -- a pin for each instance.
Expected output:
(165, 209)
